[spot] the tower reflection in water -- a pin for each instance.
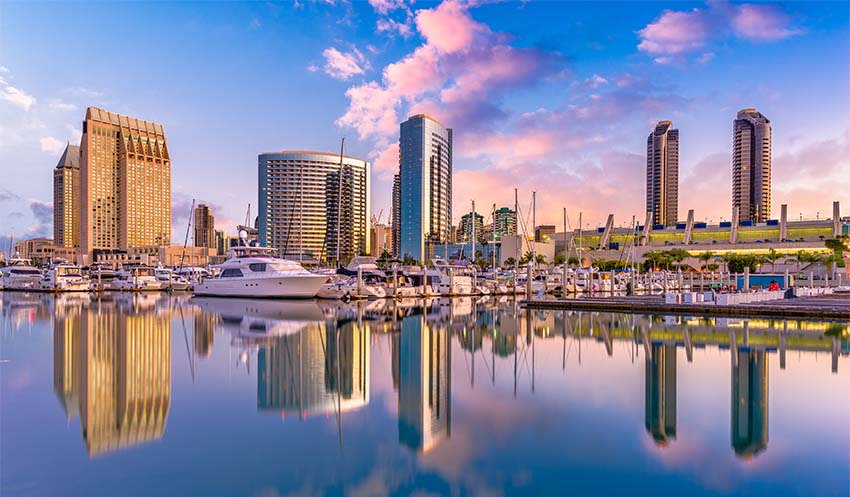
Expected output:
(424, 383)
(749, 402)
(660, 393)
(113, 368)
(317, 370)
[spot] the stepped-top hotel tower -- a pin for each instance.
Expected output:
(751, 164)
(425, 186)
(125, 183)
(662, 174)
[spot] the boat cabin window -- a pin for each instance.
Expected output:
(258, 267)
(231, 273)
(26, 271)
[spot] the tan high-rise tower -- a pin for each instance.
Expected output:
(125, 179)
(66, 198)
(751, 165)
(204, 227)
(662, 174)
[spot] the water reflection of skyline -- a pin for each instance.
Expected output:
(112, 362)
(113, 370)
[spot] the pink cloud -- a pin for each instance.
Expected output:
(675, 33)
(344, 65)
(449, 28)
(385, 164)
(384, 7)
(762, 22)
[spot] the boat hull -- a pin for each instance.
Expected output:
(301, 286)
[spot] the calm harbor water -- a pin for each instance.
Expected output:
(159, 395)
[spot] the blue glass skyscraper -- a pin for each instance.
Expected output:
(425, 196)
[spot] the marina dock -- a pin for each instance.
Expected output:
(833, 307)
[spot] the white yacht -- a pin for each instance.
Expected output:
(448, 280)
(256, 272)
(137, 278)
(65, 278)
(102, 277)
(19, 274)
(170, 280)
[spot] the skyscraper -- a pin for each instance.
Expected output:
(66, 198)
(662, 174)
(425, 173)
(466, 228)
(396, 220)
(125, 183)
(204, 227)
(505, 222)
(751, 165)
(303, 198)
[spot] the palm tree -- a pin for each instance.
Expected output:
(510, 262)
(540, 259)
(704, 257)
(840, 246)
(772, 256)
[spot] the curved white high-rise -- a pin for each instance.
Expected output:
(302, 198)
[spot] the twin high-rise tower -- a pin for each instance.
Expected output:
(662, 174)
(751, 165)
(751, 170)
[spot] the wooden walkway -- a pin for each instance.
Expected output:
(835, 307)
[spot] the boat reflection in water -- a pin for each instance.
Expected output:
(307, 365)
(113, 369)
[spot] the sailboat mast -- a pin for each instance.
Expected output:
(339, 203)
(493, 247)
(186, 240)
(473, 232)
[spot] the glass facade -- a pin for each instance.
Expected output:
(425, 185)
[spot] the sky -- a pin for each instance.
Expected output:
(552, 97)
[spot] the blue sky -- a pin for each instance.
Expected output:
(556, 97)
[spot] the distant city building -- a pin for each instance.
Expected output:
(662, 174)
(204, 227)
(125, 183)
(751, 166)
(425, 173)
(464, 231)
(396, 216)
(302, 198)
(66, 198)
(221, 242)
(382, 239)
(505, 222)
(544, 232)
(40, 250)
